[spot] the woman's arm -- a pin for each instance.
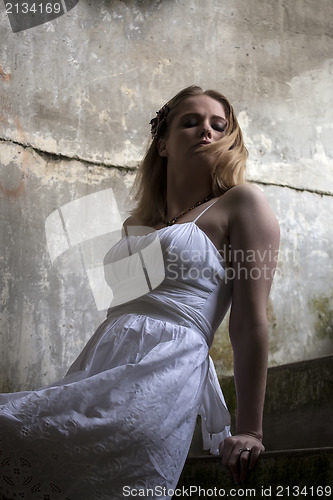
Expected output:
(254, 241)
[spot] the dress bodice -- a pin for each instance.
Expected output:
(174, 272)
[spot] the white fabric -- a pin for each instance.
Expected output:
(124, 414)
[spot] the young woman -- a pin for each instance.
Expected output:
(120, 423)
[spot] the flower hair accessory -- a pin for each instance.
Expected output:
(157, 122)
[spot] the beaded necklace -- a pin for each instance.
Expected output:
(174, 220)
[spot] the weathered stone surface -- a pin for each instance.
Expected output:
(298, 405)
(47, 312)
(278, 474)
(87, 83)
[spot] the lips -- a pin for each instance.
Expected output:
(203, 143)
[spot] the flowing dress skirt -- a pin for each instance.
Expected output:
(121, 419)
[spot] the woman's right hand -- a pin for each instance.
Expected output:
(240, 454)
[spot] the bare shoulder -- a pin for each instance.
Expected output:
(249, 205)
(246, 193)
(245, 196)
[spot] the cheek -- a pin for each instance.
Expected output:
(187, 134)
(178, 142)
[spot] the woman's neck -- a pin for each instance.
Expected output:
(183, 191)
(178, 200)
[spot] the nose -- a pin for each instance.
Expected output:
(206, 130)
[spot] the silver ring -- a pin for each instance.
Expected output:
(244, 449)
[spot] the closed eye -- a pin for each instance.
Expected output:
(217, 123)
(190, 123)
(220, 127)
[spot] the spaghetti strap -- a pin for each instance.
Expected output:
(195, 220)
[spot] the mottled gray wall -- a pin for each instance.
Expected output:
(76, 95)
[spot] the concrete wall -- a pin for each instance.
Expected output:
(76, 95)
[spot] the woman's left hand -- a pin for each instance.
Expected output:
(239, 455)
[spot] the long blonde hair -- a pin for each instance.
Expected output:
(228, 168)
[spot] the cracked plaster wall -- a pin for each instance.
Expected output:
(76, 95)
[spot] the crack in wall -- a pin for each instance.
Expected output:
(54, 157)
(48, 156)
(294, 188)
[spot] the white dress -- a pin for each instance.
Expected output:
(123, 417)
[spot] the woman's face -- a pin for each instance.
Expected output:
(200, 120)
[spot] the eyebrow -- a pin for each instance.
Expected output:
(199, 115)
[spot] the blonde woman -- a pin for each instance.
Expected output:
(120, 423)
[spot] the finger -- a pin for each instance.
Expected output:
(234, 465)
(226, 451)
(244, 461)
(254, 457)
(225, 456)
(229, 462)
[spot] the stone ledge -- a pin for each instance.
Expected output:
(276, 474)
(298, 410)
